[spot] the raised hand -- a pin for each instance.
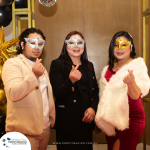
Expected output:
(75, 74)
(38, 69)
(129, 79)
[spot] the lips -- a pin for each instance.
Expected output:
(36, 53)
(76, 51)
(120, 53)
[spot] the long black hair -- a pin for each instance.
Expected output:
(112, 58)
(64, 54)
(25, 34)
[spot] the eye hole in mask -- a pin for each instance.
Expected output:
(121, 44)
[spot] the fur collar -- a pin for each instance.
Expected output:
(113, 108)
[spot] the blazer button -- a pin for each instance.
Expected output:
(92, 88)
(92, 99)
(74, 101)
(93, 77)
(72, 89)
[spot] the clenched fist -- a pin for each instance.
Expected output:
(38, 69)
(129, 79)
(75, 74)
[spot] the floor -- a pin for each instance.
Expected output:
(100, 147)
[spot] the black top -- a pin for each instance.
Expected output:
(84, 79)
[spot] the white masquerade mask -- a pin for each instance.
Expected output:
(35, 42)
(75, 42)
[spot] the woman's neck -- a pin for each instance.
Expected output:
(125, 61)
(121, 63)
(76, 60)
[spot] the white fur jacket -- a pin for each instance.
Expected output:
(113, 107)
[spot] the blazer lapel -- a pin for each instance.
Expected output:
(26, 62)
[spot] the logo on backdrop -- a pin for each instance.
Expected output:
(14, 141)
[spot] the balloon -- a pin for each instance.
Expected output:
(2, 96)
(3, 108)
(21, 4)
(1, 66)
(2, 122)
(5, 50)
(5, 16)
(10, 6)
(2, 133)
(5, 2)
(1, 84)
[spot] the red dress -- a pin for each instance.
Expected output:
(129, 138)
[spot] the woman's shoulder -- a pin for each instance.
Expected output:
(57, 62)
(91, 64)
(105, 68)
(137, 60)
(135, 64)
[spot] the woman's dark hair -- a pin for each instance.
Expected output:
(64, 54)
(112, 58)
(25, 34)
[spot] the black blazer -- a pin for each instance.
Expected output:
(70, 103)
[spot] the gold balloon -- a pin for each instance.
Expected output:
(11, 51)
(5, 46)
(3, 108)
(1, 84)
(2, 96)
(5, 51)
(1, 71)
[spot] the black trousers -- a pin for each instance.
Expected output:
(81, 141)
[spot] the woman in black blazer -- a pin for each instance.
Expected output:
(76, 91)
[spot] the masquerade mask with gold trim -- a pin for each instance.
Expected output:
(75, 42)
(35, 42)
(121, 44)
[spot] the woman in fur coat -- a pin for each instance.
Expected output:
(123, 83)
